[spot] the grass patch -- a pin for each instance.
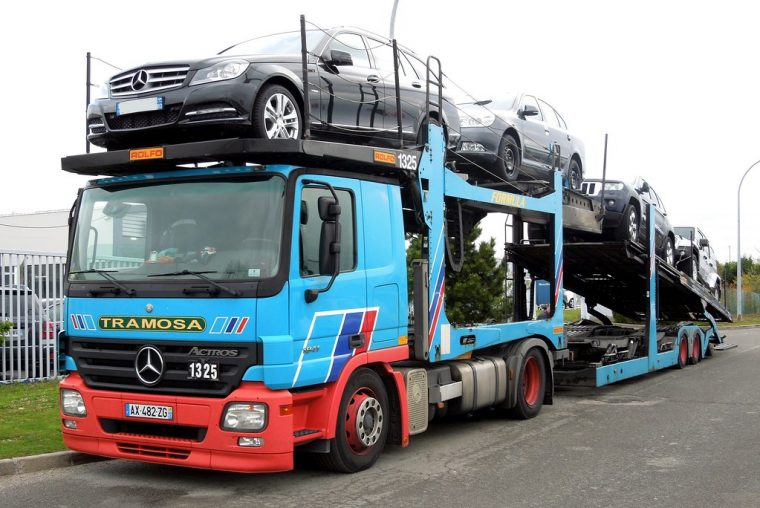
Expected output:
(572, 315)
(30, 423)
(751, 319)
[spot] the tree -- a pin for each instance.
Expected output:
(5, 327)
(475, 294)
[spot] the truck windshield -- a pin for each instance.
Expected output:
(228, 229)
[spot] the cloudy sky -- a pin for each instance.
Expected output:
(675, 84)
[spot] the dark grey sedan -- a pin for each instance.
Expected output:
(254, 89)
(518, 135)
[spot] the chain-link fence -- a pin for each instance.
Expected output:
(750, 301)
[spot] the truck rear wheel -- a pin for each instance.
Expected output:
(696, 350)
(530, 390)
(362, 429)
(683, 350)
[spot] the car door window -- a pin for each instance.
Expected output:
(549, 116)
(658, 201)
(353, 44)
(409, 66)
(383, 54)
(311, 230)
(528, 100)
(420, 68)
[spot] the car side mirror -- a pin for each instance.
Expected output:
(528, 110)
(644, 188)
(704, 242)
(338, 58)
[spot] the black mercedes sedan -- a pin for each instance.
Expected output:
(625, 207)
(254, 89)
(517, 136)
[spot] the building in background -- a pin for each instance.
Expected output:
(39, 232)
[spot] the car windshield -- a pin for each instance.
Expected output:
(685, 232)
(287, 43)
(226, 229)
(504, 102)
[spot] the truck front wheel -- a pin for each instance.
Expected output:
(362, 426)
(530, 391)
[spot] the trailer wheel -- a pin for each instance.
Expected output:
(683, 350)
(530, 391)
(363, 419)
(696, 350)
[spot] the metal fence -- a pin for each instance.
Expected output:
(31, 298)
(750, 301)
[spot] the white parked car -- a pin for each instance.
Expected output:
(696, 258)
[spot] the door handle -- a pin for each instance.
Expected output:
(568, 137)
(546, 130)
(416, 84)
(373, 78)
(356, 341)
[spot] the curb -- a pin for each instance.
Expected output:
(32, 463)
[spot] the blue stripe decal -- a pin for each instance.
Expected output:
(81, 322)
(90, 322)
(351, 326)
(218, 325)
(231, 325)
(436, 296)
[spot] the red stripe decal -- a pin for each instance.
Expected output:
(74, 321)
(243, 322)
(368, 329)
(436, 314)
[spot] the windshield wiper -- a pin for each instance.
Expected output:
(200, 275)
(106, 275)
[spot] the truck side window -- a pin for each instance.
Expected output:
(311, 228)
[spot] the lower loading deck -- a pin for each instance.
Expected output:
(617, 275)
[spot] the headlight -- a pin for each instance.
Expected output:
(471, 146)
(72, 403)
(477, 120)
(613, 186)
(244, 416)
(219, 72)
(102, 91)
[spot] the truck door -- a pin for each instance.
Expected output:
(351, 94)
(325, 331)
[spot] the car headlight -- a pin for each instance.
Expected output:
(72, 403)
(614, 186)
(219, 72)
(244, 416)
(477, 120)
(101, 91)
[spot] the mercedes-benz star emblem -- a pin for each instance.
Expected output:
(149, 365)
(139, 80)
(149, 308)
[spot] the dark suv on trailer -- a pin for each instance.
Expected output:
(254, 89)
(625, 214)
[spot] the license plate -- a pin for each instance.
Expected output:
(149, 411)
(139, 105)
(203, 370)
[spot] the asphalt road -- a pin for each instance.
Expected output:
(673, 438)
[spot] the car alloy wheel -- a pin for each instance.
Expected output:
(669, 253)
(633, 225)
(281, 118)
(694, 267)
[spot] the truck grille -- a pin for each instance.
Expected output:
(162, 452)
(110, 365)
(147, 80)
(142, 120)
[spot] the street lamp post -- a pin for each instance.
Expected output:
(739, 244)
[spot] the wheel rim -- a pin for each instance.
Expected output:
(280, 117)
(364, 421)
(509, 161)
(531, 381)
(575, 178)
(683, 351)
(694, 268)
(696, 350)
(633, 225)
(669, 253)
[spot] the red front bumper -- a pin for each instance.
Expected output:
(218, 449)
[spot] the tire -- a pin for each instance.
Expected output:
(530, 389)
(630, 226)
(716, 291)
(422, 133)
(508, 164)
(696, 350)
(276, 114)
(670, 252)
(574, 175)
(683, 351)
(364, 404)
(695, 266)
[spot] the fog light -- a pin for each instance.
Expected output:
(250, 441)
(72, 403)
(70, 424)
(469, 146)
(610, 202)
(244, 416)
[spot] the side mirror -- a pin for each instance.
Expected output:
(704, 242)
(329, 238)
(644, 188)
(338, 58)
(528, 110)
